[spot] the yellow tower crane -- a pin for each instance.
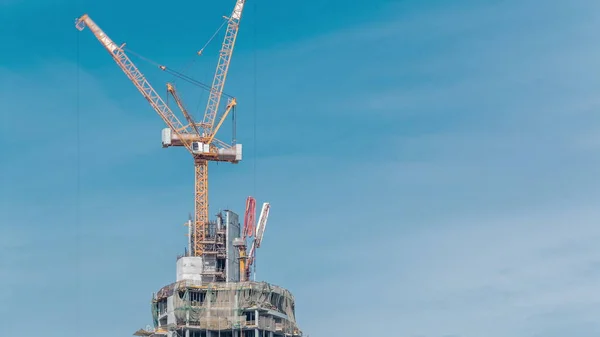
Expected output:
(198, 138)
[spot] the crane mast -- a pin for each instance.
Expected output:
(203, 146)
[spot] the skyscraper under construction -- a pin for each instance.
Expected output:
(213, 294)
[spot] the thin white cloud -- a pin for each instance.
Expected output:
(12, 248)
(50, 131)
(491, 277)
(502, 187)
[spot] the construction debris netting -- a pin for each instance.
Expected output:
(226, 306)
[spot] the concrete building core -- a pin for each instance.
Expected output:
(220, 263)
(208, 299)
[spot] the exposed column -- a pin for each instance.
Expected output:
(257, 323)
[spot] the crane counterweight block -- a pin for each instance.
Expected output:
(232, 155)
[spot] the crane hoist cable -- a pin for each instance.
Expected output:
(201, 98)
(174, 72)
(213, 36)
(179, 75)
(254, 98)
(199, 53)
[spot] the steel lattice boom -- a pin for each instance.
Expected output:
(222, 67)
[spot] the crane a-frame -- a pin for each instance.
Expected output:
(198, 138)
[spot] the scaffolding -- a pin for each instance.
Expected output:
(190, 308)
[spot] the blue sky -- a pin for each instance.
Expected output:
(432, 166)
